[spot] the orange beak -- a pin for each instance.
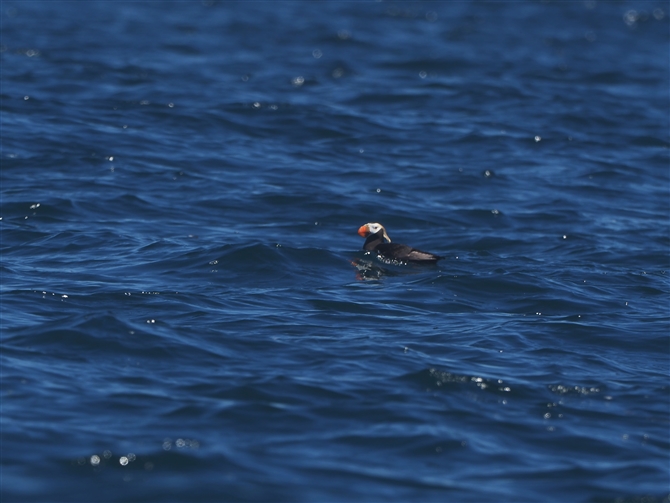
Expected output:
(364, 231)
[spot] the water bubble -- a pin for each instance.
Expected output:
(298, 81)
(431, 16)
(423, 74)
(344, 34)
(123, 460)
(317, 53)
(631, 17)
(95, 460)
(537, 139)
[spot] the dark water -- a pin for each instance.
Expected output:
(186, 311)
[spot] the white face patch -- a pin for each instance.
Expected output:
(374, 228)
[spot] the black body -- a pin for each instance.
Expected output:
(397, 251)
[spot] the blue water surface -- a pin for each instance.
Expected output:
(188, 315)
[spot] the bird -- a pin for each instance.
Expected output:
(392, 252)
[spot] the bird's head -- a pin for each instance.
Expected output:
(373, 228)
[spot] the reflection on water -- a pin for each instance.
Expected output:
(366, 270)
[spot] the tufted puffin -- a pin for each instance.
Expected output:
(376, 234)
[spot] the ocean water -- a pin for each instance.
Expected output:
(188, 315)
